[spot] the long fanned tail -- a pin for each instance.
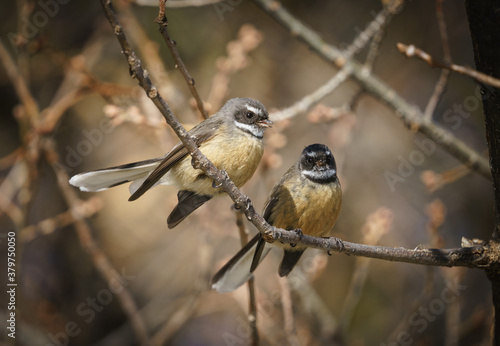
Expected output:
(239, 269)
(105, 178)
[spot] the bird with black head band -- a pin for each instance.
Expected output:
(232, 139)
(308, 197)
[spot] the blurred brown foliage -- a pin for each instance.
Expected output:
(96, 116)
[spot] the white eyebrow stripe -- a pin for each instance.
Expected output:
(253, 109)
(253, 129)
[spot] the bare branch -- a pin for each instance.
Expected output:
(177, 3)
(377, 225)
(84, 209)
(371, 30)
(172, 46)
(252, 304)
(312, 99)
(412, 51)
(443, 77)
(476, 256)
(19, 84)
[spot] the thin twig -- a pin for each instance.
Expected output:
(443, 77)
(176, 320)
(312, 99)
(51, 115)
(443, 32)
(408, 114)
(412, 51)
(177, 3)
(373, 50)
(376, 226)
(85, 209)
(371, 30)
(436, 95)
(287, 307)
(434, 181)
(252, 305)
(19, 84)
(172, 46)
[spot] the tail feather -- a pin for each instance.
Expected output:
(188, 202)
(105, 178)
(290, 259)
(237, 270)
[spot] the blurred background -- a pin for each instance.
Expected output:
(399, 189)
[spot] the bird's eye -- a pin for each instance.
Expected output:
(310, 160)
(249, 115)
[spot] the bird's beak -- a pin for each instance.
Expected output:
(265, 123)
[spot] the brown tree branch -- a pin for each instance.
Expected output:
(252, 304)
(177, 4)
(440, 86)
(20, 85)
(84, 209)
(413, 51)
(408, 114)
(372, 29)
(313, 98)
(172, 46)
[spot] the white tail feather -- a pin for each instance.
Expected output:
(106, 178)
(239, 272)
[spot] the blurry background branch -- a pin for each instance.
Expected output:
(172, 46)
(440, 86)
(411, 51)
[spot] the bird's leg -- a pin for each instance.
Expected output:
(338, 242)
(299, 233)
(226, 177)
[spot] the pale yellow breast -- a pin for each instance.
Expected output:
(238, 154)
(312, 207)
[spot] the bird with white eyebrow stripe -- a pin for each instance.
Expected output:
(231, 139)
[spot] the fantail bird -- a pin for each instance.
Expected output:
(308, 197)
(230, 138)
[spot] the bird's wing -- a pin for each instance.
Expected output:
(174, 156)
